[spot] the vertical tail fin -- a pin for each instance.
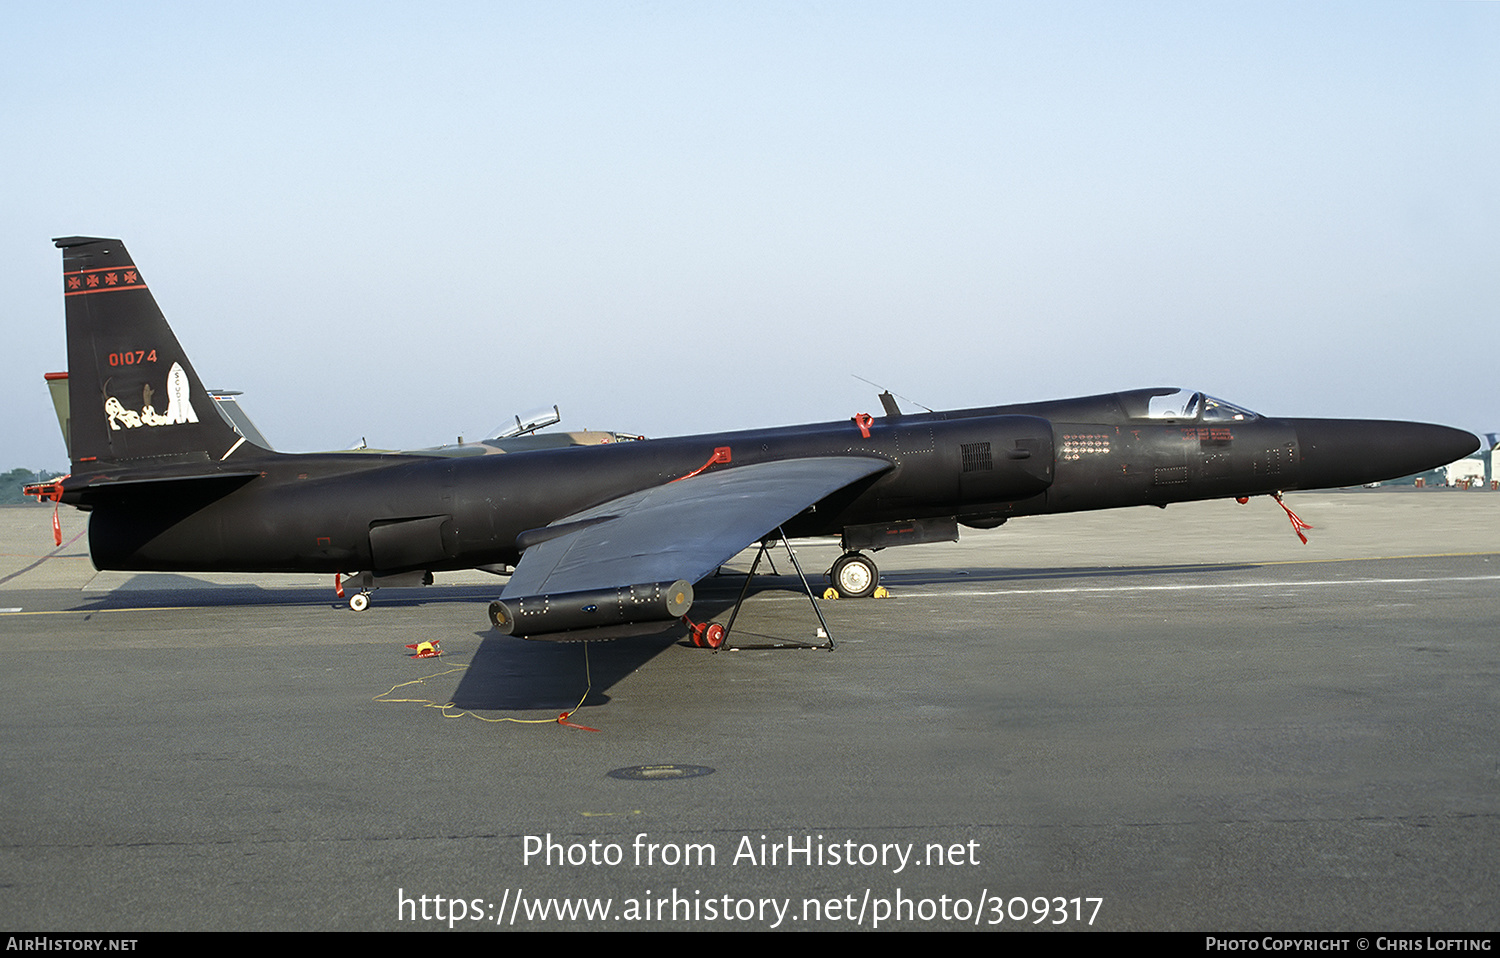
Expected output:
(132, 391)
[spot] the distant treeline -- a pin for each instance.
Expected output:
(11, 483)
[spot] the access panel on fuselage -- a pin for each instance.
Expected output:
(945, 467)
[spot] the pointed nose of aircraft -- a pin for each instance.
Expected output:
(1352, 452)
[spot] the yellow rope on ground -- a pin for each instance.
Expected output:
(445, 706)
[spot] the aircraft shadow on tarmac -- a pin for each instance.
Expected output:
(163, 589)
(511, 673)
(714, 596)
(729, 583)
(997, 575)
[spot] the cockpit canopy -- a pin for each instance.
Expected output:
(1187, 404)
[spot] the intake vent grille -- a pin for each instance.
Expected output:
(977, 457)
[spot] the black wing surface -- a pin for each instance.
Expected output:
(680, 530)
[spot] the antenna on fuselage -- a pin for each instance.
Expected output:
(888, 399)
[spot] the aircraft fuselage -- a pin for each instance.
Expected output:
(332, 513)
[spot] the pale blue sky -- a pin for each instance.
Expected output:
(407, 222)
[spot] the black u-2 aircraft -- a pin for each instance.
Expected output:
(606, 538)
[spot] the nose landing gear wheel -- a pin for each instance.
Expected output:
(359, 601)
(855, 576)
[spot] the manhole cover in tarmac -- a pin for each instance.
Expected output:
(657, 773)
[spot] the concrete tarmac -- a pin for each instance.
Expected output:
(1140, 719)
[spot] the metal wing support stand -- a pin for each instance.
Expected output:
(764, 552)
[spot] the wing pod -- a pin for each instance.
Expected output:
(565, 611)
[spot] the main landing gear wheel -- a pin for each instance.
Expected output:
(855, 576)
(359, 601)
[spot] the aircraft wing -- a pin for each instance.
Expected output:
(680, 530)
